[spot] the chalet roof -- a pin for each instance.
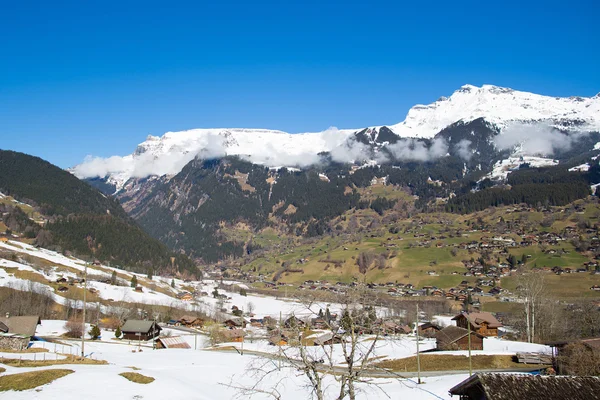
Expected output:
(532, 387)
(3, 327)
(451, 334)
(234, 333)
(593, 343)
(323, 338)
(189, 318)
(476, 318)
(174, 342)
(23, 325)
(136, 325)
(428, 325)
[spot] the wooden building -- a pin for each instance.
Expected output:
(455, 338)
(429, 329)
(191, 322)
(496, 386)
(16, 332)
(172, 342)
(234, 335)
(134, 329)
(484, 323)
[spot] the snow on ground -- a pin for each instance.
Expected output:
(504, 167)
(206, 374)
(580, 168)
(198, 375)
(263, 305)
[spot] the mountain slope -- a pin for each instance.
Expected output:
(75, 211)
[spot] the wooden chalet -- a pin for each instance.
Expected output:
(234, 335)
(236, 322)
(293, 322)
(484, 323)
(279, 339)
(191, 322)
(393, 328)
(499, 386)
(429, 329)
(327, 339)
(16, 332)
(171, 342)
(134, 329)
(561, 352)
(456, 338)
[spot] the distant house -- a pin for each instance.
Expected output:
(493, 386)
(429, 329)
(63, 289)
(279, 339)
(173, 342)
(327, 339)
(391, 327)
(236, 322)
(191, 322)
(16, 332)
(456, 338)
(293, 322)
(234, 335)
(134, 329)
(484, 323)
(185, 296)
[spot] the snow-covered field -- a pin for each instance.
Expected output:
(209, 374)
(196, 374)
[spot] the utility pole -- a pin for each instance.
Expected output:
(83, 321)
(418, 356)
(469, 334)
(279, 340)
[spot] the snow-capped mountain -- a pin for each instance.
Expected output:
(168, 154)
(499, 106)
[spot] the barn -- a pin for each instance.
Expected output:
(455, 338)
(134, 329)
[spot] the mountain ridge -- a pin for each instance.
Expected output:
(168, 154)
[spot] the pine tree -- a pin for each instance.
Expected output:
(243, 292)
(134, 282)
(95, 332)
(118, 333)
(173, 283)
(149, 275)
(346, 321)
(113, 278)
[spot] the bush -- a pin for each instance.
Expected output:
(74, 328)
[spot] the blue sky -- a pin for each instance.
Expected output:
(79, 78)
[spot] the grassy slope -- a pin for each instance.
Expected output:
(410, 264)
(30, 380)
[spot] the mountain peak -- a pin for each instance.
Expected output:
(498, 105)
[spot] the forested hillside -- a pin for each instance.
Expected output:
(75, 213)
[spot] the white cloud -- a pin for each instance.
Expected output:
(463, 149)
(416, 150)
(534, 139)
